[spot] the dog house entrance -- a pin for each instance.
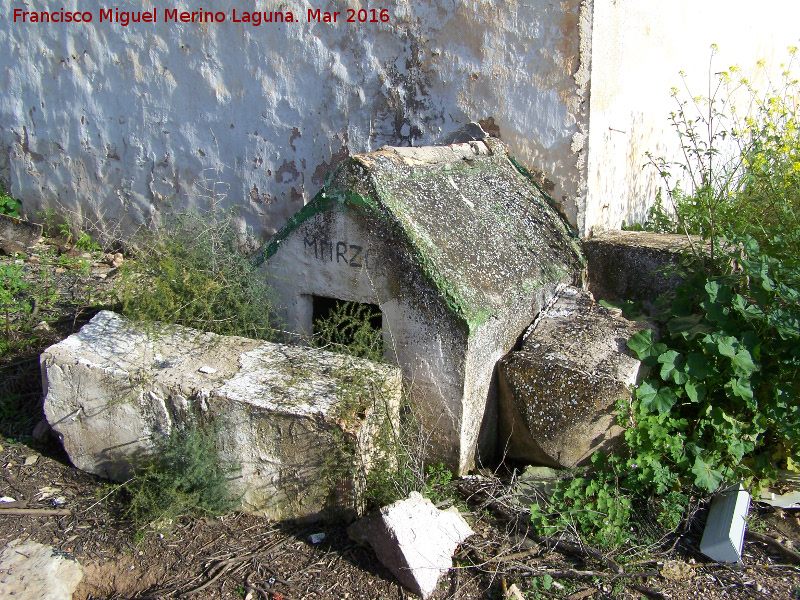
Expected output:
(354, 325)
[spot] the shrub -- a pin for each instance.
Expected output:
(350, 328)
(193, 272)
(740, 173)
(182, 476)
(721, 403)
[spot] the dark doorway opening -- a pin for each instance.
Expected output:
(351, 327)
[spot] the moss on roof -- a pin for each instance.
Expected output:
(481, 231)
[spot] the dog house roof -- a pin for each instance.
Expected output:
(481, 231)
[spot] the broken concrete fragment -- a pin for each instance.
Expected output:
(300, 424)
(17, 235)
(414, 540)
(628, 265)
(31, 571)
(558, 394)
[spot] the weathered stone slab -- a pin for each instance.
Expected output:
(286, 415)
(628, 265)
(31, 571)
(16, 235)
(558, 393)
(414, 540)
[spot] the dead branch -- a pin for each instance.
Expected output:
(775, 545)
(41, 512)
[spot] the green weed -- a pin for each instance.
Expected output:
(193, 272)
(182, 476)
(349, 328)
(12, 282)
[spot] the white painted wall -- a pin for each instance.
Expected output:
(638, 49)
(118, 123)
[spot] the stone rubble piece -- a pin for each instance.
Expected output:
(32, 571)
(558, 393)
(283, 415)
(17, 235)
(414, 540)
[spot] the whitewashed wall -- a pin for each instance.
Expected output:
(117, 123)
(639, 48)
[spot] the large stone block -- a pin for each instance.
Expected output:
(300, 425)
(559, 391)
(629, 265)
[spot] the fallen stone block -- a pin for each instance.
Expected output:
(31, 571)
(628, 265)
(414, 540)
(558, 393)
(301, 426)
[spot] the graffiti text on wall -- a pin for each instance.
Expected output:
(342, 252)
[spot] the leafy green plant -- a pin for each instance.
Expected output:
(84, 242)
(594, 507)
(724, 390)
(8, 205)
(182, 476)
(193, 272)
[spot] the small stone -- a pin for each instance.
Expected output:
(41, 326)
(207, 370)
(677, 570)
(7, 499)
(31, 460)
(114, 260)
(513, 593)
(41, 431)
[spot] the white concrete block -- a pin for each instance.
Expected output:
(723, 537)
(414, 540)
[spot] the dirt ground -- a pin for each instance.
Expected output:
(243, 556)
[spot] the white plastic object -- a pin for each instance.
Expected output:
(723, 537)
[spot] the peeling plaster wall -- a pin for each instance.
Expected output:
(638, 49)
(119, 124)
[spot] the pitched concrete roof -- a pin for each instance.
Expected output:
(482, 232)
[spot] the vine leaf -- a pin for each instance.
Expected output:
(706, 476)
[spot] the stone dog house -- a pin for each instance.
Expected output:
(456, 247)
